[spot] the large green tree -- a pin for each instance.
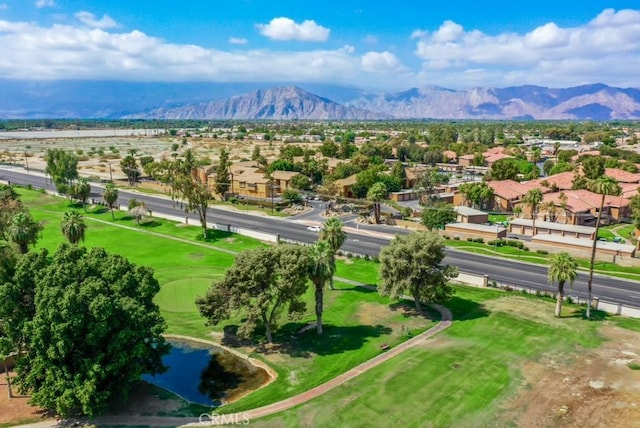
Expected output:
(73, 227)
(437, 215)
(333, 233)
(321, 267)
(412, 264)
(593, 167)
(504, 169)
(95, 330)
(62, 167)
(478, 193)
(24, 230)
(261, 284)
(562, 269)
(129, 166)
(604, 186)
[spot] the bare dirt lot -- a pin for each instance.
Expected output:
(101, 156)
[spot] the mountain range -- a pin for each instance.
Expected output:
(148, 100)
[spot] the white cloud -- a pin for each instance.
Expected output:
(80, 52)
(89, 19)
(45, 3)
(606, 49)
(548, 55)
(238, 40)
(380, 62)
(288, 29)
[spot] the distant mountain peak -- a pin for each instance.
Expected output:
(277, 103)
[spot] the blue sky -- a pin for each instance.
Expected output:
(382, 44)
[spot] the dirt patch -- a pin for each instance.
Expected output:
(530, 309)
(16, 410)
(595, 388)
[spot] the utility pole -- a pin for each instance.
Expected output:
(110, 173)
(26, 162)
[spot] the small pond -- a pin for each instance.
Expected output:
(205, 374)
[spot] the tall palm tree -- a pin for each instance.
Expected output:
(533, 198)
(24, 230)
(110, 196)
(82, 191)
(562, 268)
(322, 266)
(73, 227)
(377, 192)
(604, 186)
(335, 236)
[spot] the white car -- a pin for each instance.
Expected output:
(314, 228)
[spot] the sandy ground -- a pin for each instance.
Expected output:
(100, 154)
(16, 409)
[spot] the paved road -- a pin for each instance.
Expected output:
(369, 240)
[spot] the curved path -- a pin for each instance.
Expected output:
(270, 409)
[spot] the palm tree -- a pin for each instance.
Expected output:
(604, 186)
(564, 205)
(81, 191)
(533, 198)
(73, 227)
(335, 236)
(377, 193)
(322, 267)
(24, 230)
(110, 196)
(562, 268)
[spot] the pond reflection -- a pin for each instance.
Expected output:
(205, 374)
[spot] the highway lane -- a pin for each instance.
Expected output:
(498, 269)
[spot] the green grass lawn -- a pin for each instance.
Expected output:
(357, 321)
(459, 378)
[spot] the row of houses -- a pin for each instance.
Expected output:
(562, 204)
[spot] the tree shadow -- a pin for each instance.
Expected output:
(231, 339)
(214, 235)
(465, 310)
(408, 310)
(596, 315)
(99, 210)
(333, 340)
(150, 223)
(216, 380)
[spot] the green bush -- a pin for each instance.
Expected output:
(542, 252)
(479, 240)
(634, 366)
(469, 239)
(456, 238)
(523, 248)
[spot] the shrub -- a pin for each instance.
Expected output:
(523, 248)
(349, 255)
(568, 299)
(469, 239)
(479, 240)
(375, 259)
(508, 288)
(493, 284)
(456, 238)
(634, 366)
(542, 252)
